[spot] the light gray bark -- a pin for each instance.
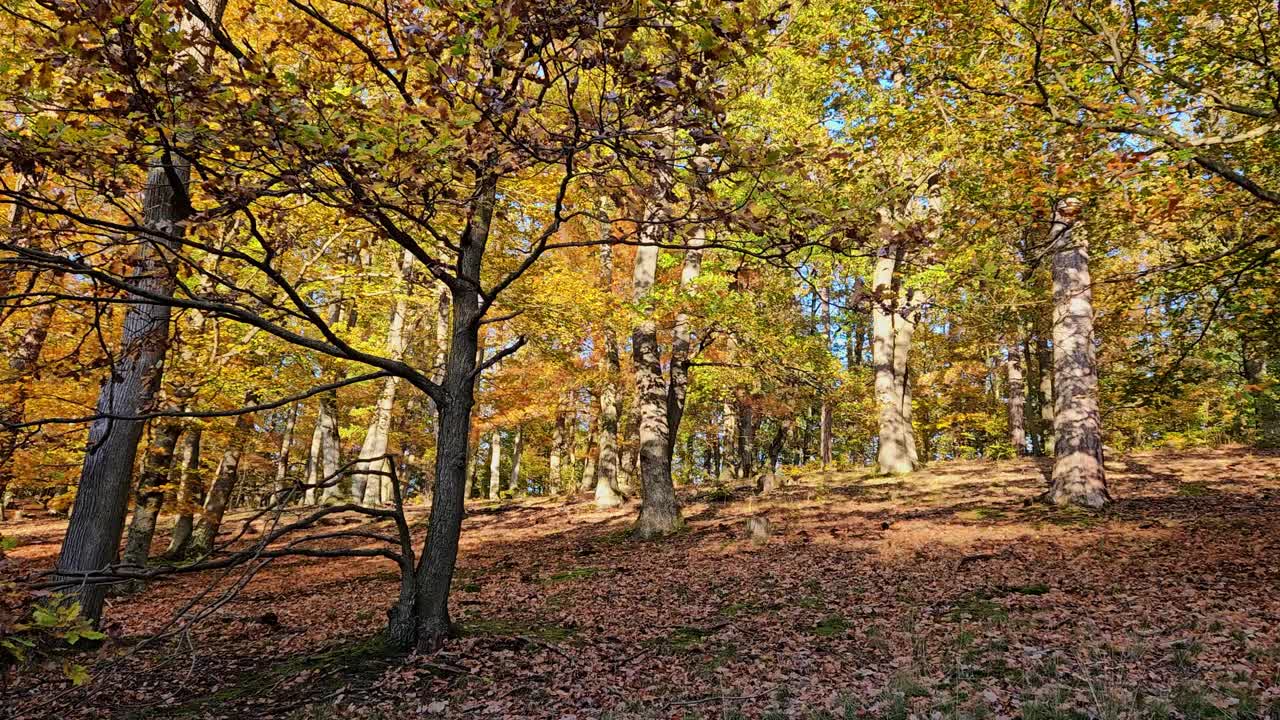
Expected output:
(330, 459)
(372, 478)
(1016, 401)
(286, 448)
(607, 491)
(517, 449)
(891, 342)
(495, 464)
(659, 510)
(156, 469)
(1078, 474)
(206, 529)
(190, 492)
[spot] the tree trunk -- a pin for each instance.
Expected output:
(329, 460)
(588, 481)
(97, 519)
(627, 445)
(286, 448)
(554, 463)
(891, 340)
(517, 450)
(224, 483)
(190, 492)
(681, 340)
(1044, 360)
(659, 511)
(152, 486)
(423, 620)
(825, 430)
(1078, 474)
(495, 464)
(1017, 402)
(746, 440)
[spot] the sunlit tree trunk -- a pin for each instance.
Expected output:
(682, 338)
(659, 511)
(1078, 474)
(746, 435)
(891, 341)
(215, 505)
(587, 482)
(190, 492)
(286, 449)
(329, 460)
(495, 464)
(556, 460)
(1016, 401)
(156, 469)
(517, 449)
(367, 483)
(607, 490)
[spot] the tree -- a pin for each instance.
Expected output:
(1078, 474)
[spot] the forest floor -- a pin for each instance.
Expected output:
(943, 595)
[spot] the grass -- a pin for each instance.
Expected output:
(831, 626)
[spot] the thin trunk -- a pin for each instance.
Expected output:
(215, 505)
(286, 448)
(1016, 402)
(335, 488)
(370, 485)
(1044, 361)
(728, 454)
(659, 510)
(190, 492)
(607, 482)
(312, 473)
(495, 464)
(555, 461)
(746, 440)
(152, 485)
(1078, 474)
(825, 429)
(588, 481)
(517, 449)
(681, 340)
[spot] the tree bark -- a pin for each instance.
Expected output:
(326, 463)
(517, 450)
(424, 621)
(659, 511)
(891, 333)
(681, 339)
(1078, 474)
(286, 448)
(190, 492)
(556, 460)
(97, 519)
(224, 483)
(607, 490)
(152, 485)
(1016, 402)
(495, 464)
(370, 482)
(587, 482)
